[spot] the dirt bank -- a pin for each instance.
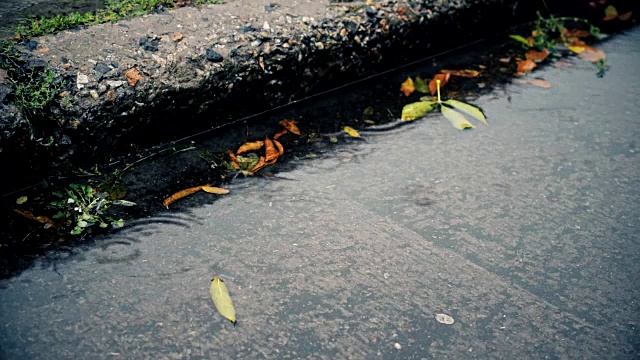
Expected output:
(149, 80)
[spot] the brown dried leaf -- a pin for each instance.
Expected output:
(250, 146)
(462, 73)
(407, 87)
(444, 79)
(133, 76)
(291, 126)
(270, 152)
(215, 190)
(45, 220)
(279, 147)
(180, 194)
(261, 163)
(592, 54)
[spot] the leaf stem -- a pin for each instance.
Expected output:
(438, 87)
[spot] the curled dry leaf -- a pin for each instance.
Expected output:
(250, 146)
(433, 87)
(222, 299)
(279, 147)
(444, 319)
(271, 154)
(261, 163)
(407, 87)
(180, 194)
(291, 126)
(537, 56)
(45, 220)
(351, 131)
(133, 76)
(525, 66)
(461, 73)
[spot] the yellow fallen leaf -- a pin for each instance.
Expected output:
(250, 146)
(407, 87)
(416, 110)
(21, 200)
(468, 109)
(576, 49)
(351, 131)
(222, 299)
(215, 190)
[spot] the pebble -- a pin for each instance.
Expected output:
(94, 94)
(115, 83)
(214, 56)
(82, 80)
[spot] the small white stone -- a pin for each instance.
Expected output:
(82, 80)
(94, 94)
(266, 26)
(397, 346)
(115, 83)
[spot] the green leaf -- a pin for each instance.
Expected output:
(77, 230)
(222, 299)
(82, 224)
(421, 85)
(520, 39)
(456, 119)
(118, 223)
(21, 200)
(417, 110)
(468, 108)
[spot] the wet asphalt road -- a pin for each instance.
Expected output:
(525, 232)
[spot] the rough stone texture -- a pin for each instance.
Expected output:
(215, 63)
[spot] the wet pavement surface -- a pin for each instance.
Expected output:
(524, 231)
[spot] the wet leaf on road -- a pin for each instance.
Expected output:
(461, 73)
(528, 42)
(279, 147)
(351, 131)
(222, 299)
(291, 126)
(417, 110)
(180, 194)
(444, 319)
(407, 87)
(456, 119)
(536, 82)
(271, 154)
(469, 109)
(250, 146)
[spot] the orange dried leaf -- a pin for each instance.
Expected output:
(279, 147)
(592, 54)
(270, 152)
(278, 135)
(525, 66)
(180, 194)
(407, 87)
(234, 159)
(462, 73)
(261, 163)
(536, 56)
(45, 220)
(433, 87)
(133, 76)
(291, 126)
(536, 82)
(575, 33)
(215, 190)
(250, 146)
